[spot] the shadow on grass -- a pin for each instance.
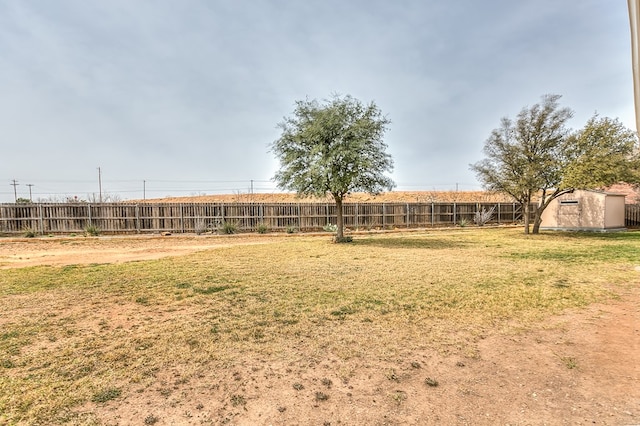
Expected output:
(631, 235)
(597, 247)
(584, 255)
(409, 243)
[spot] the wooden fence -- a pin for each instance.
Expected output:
(632, 215)
(120, 218)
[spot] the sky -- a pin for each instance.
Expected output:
(146, 98)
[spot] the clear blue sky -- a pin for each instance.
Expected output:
(186, 95)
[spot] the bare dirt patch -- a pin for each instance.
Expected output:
(58, 251)
(581, 367)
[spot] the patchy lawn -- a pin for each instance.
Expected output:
(465, 326)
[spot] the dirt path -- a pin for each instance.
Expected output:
(582, 367)
(59, 251)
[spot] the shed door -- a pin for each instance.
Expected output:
(569, 214)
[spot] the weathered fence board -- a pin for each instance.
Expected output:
(632, 215)
(198, 217)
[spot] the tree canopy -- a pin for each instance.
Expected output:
(336, 147)
(522, 155)
(538, 155)
(602, 153)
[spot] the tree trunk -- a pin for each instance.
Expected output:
(537, 221)
(339, 219)
(544, 204)
(526, 206)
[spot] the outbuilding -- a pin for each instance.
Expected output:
(585, 210)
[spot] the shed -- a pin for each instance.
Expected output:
(585, 210)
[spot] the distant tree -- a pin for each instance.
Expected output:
(333, 148)
(524, 157)
(21, 200)
(602, 153)
(106, 198)
(74, 199)
(537, 155)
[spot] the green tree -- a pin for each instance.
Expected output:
(602, 153)
(537, 155)
(333, 148)
(523, 156)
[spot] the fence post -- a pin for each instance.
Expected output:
(89, 209)
(181, 218)
(40, 219)
(356, 218)
(407, 215)
(383, 216)
(299, 219)
(454, 213)
(247, 215)
(432, 214)
(137, 218)
(498, 213)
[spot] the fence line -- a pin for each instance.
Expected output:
(632, 215)
(118, 218)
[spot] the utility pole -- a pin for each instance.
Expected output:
(30, 198)
(100, 184)
(15, 192)
(144, 190)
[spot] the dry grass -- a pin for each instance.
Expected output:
(80, 335)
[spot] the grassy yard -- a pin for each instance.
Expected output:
(80, 335)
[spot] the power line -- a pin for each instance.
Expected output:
(149, 188)
(198, 181)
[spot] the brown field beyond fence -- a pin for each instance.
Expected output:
(122, 218)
